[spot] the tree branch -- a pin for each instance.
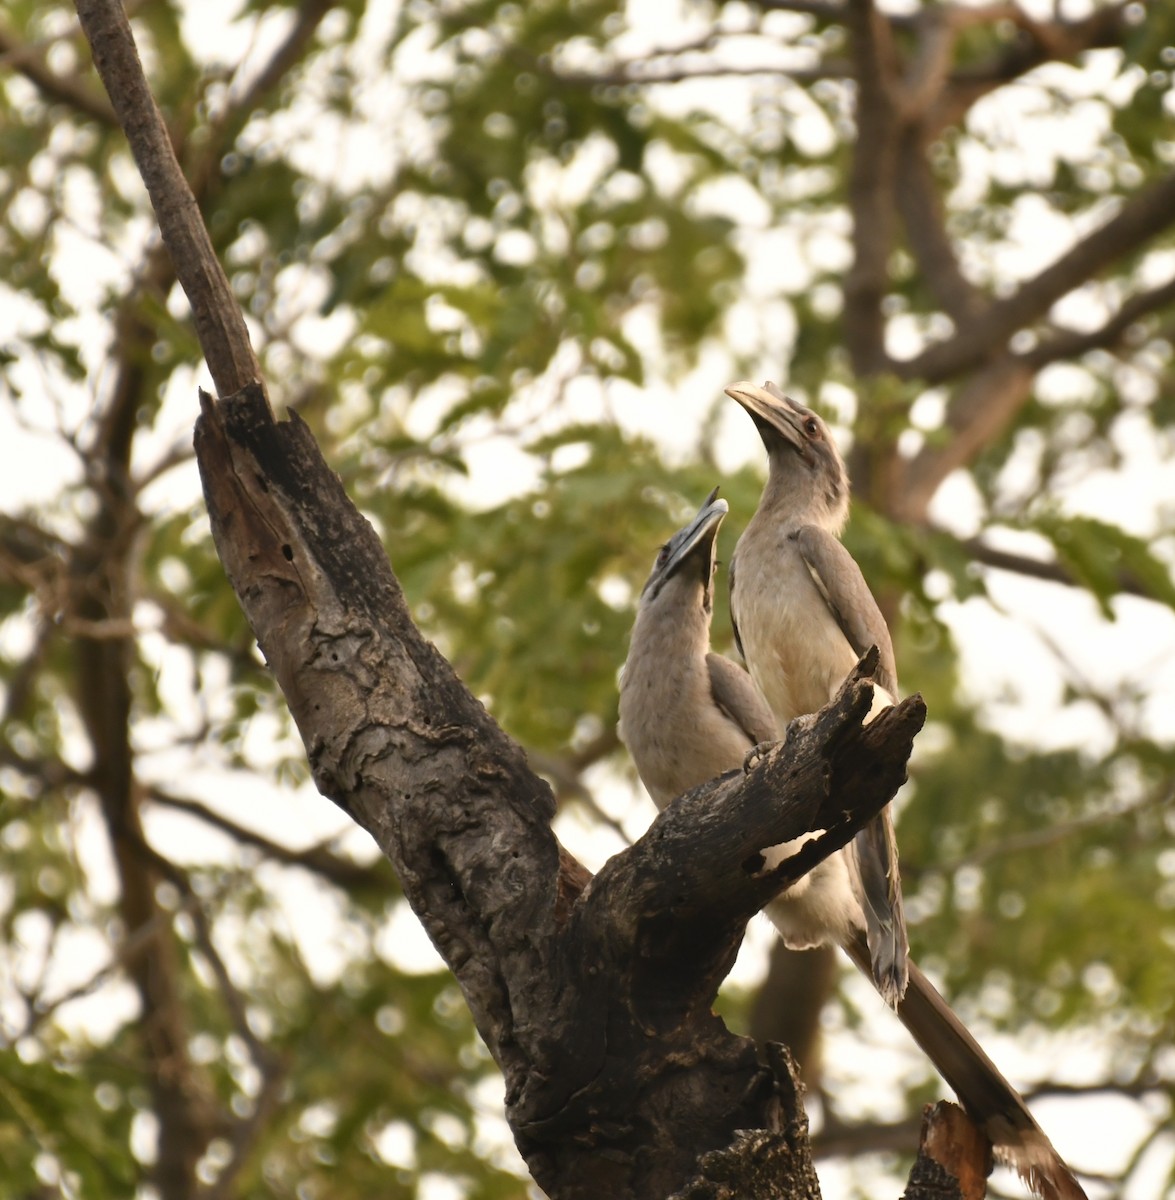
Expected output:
(920, 205)
(652, 71)
(1140, 218)
(1049, 835)
(593, 996)
(342, 872)
(978, 413)
(1038, 568)
(1072, 344)
(1039, 42)
(63, 89)
(983, 407)
(220, 326)
(871, 180)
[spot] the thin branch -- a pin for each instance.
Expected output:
(1072, 344)
(646, 72)
(220, 326)
(824, 10)
(1140, 218)
(204, 171)
(272, 1067)
(984, 406)
(230, 994)
(1040, 42)
(1079, 682)
(1136, 1089)
(180, 627)
(1038, 568)
(288, 53)
(1051, 835)
(30, 62)
(596, 749)
(245, 1131)
(176, 456)
(870, 188)
(130, 948)
(342, 872)
(837, 1140)
(50, 773)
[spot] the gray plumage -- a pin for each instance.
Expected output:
(682, 712)
(738, 699)
(841, 585)
(803, 616)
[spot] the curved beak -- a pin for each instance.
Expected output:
(771, 410)
(690, 541)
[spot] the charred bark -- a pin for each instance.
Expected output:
(593, 994)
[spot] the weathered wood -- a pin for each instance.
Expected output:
(220, 324)
(593, 995)
(954, 1158)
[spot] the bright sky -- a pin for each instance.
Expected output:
(1135, 652)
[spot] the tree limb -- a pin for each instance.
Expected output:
(1072, 344)
(593, 995)
(648, 72)
(343, 872)
(62, 89)
(1039, 42)
(871, 179)
(1039, 568)
(220, 326)
(979, 411)
(920, 205)
(1140, 218)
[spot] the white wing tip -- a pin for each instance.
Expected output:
(1040, 1166)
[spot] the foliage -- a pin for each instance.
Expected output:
(503, 273)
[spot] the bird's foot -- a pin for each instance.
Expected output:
(754, 755)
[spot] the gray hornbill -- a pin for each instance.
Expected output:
(802, 616)
(687, 715)
(673, 684)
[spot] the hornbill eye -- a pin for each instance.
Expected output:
(812, 427)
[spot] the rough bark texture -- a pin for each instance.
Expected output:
(593, 994)
(217, 318)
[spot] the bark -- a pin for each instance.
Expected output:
(593, 994)
(953, 1159)
(871, 186)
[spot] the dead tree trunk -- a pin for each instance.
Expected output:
(593, 994)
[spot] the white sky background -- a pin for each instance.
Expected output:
(1020, 685)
